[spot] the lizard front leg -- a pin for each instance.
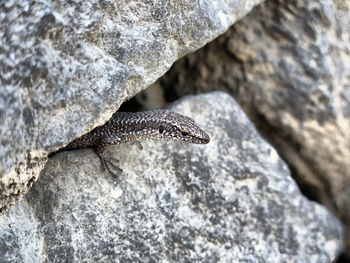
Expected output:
(108, 162)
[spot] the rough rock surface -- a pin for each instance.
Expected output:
(288, 65)
(232, 200)
(66, 66)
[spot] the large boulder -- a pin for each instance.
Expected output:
(66, 66)
(232, 200)
(288, 65)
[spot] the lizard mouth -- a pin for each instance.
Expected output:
(204, 139)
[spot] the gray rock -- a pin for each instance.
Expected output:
(66, 66)
(232, 200)
(288, 65)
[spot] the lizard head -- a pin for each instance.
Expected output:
(173, 126)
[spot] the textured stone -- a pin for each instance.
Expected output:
(288, 65)
(232, 200)
(66, 66)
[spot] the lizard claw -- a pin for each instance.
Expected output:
(108, 162)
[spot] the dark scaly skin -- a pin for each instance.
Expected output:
(160, 125)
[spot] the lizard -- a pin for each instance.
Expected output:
(160, 125)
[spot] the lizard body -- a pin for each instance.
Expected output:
(160, 125)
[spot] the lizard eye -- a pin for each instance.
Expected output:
(161, 129)
(184, 133)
